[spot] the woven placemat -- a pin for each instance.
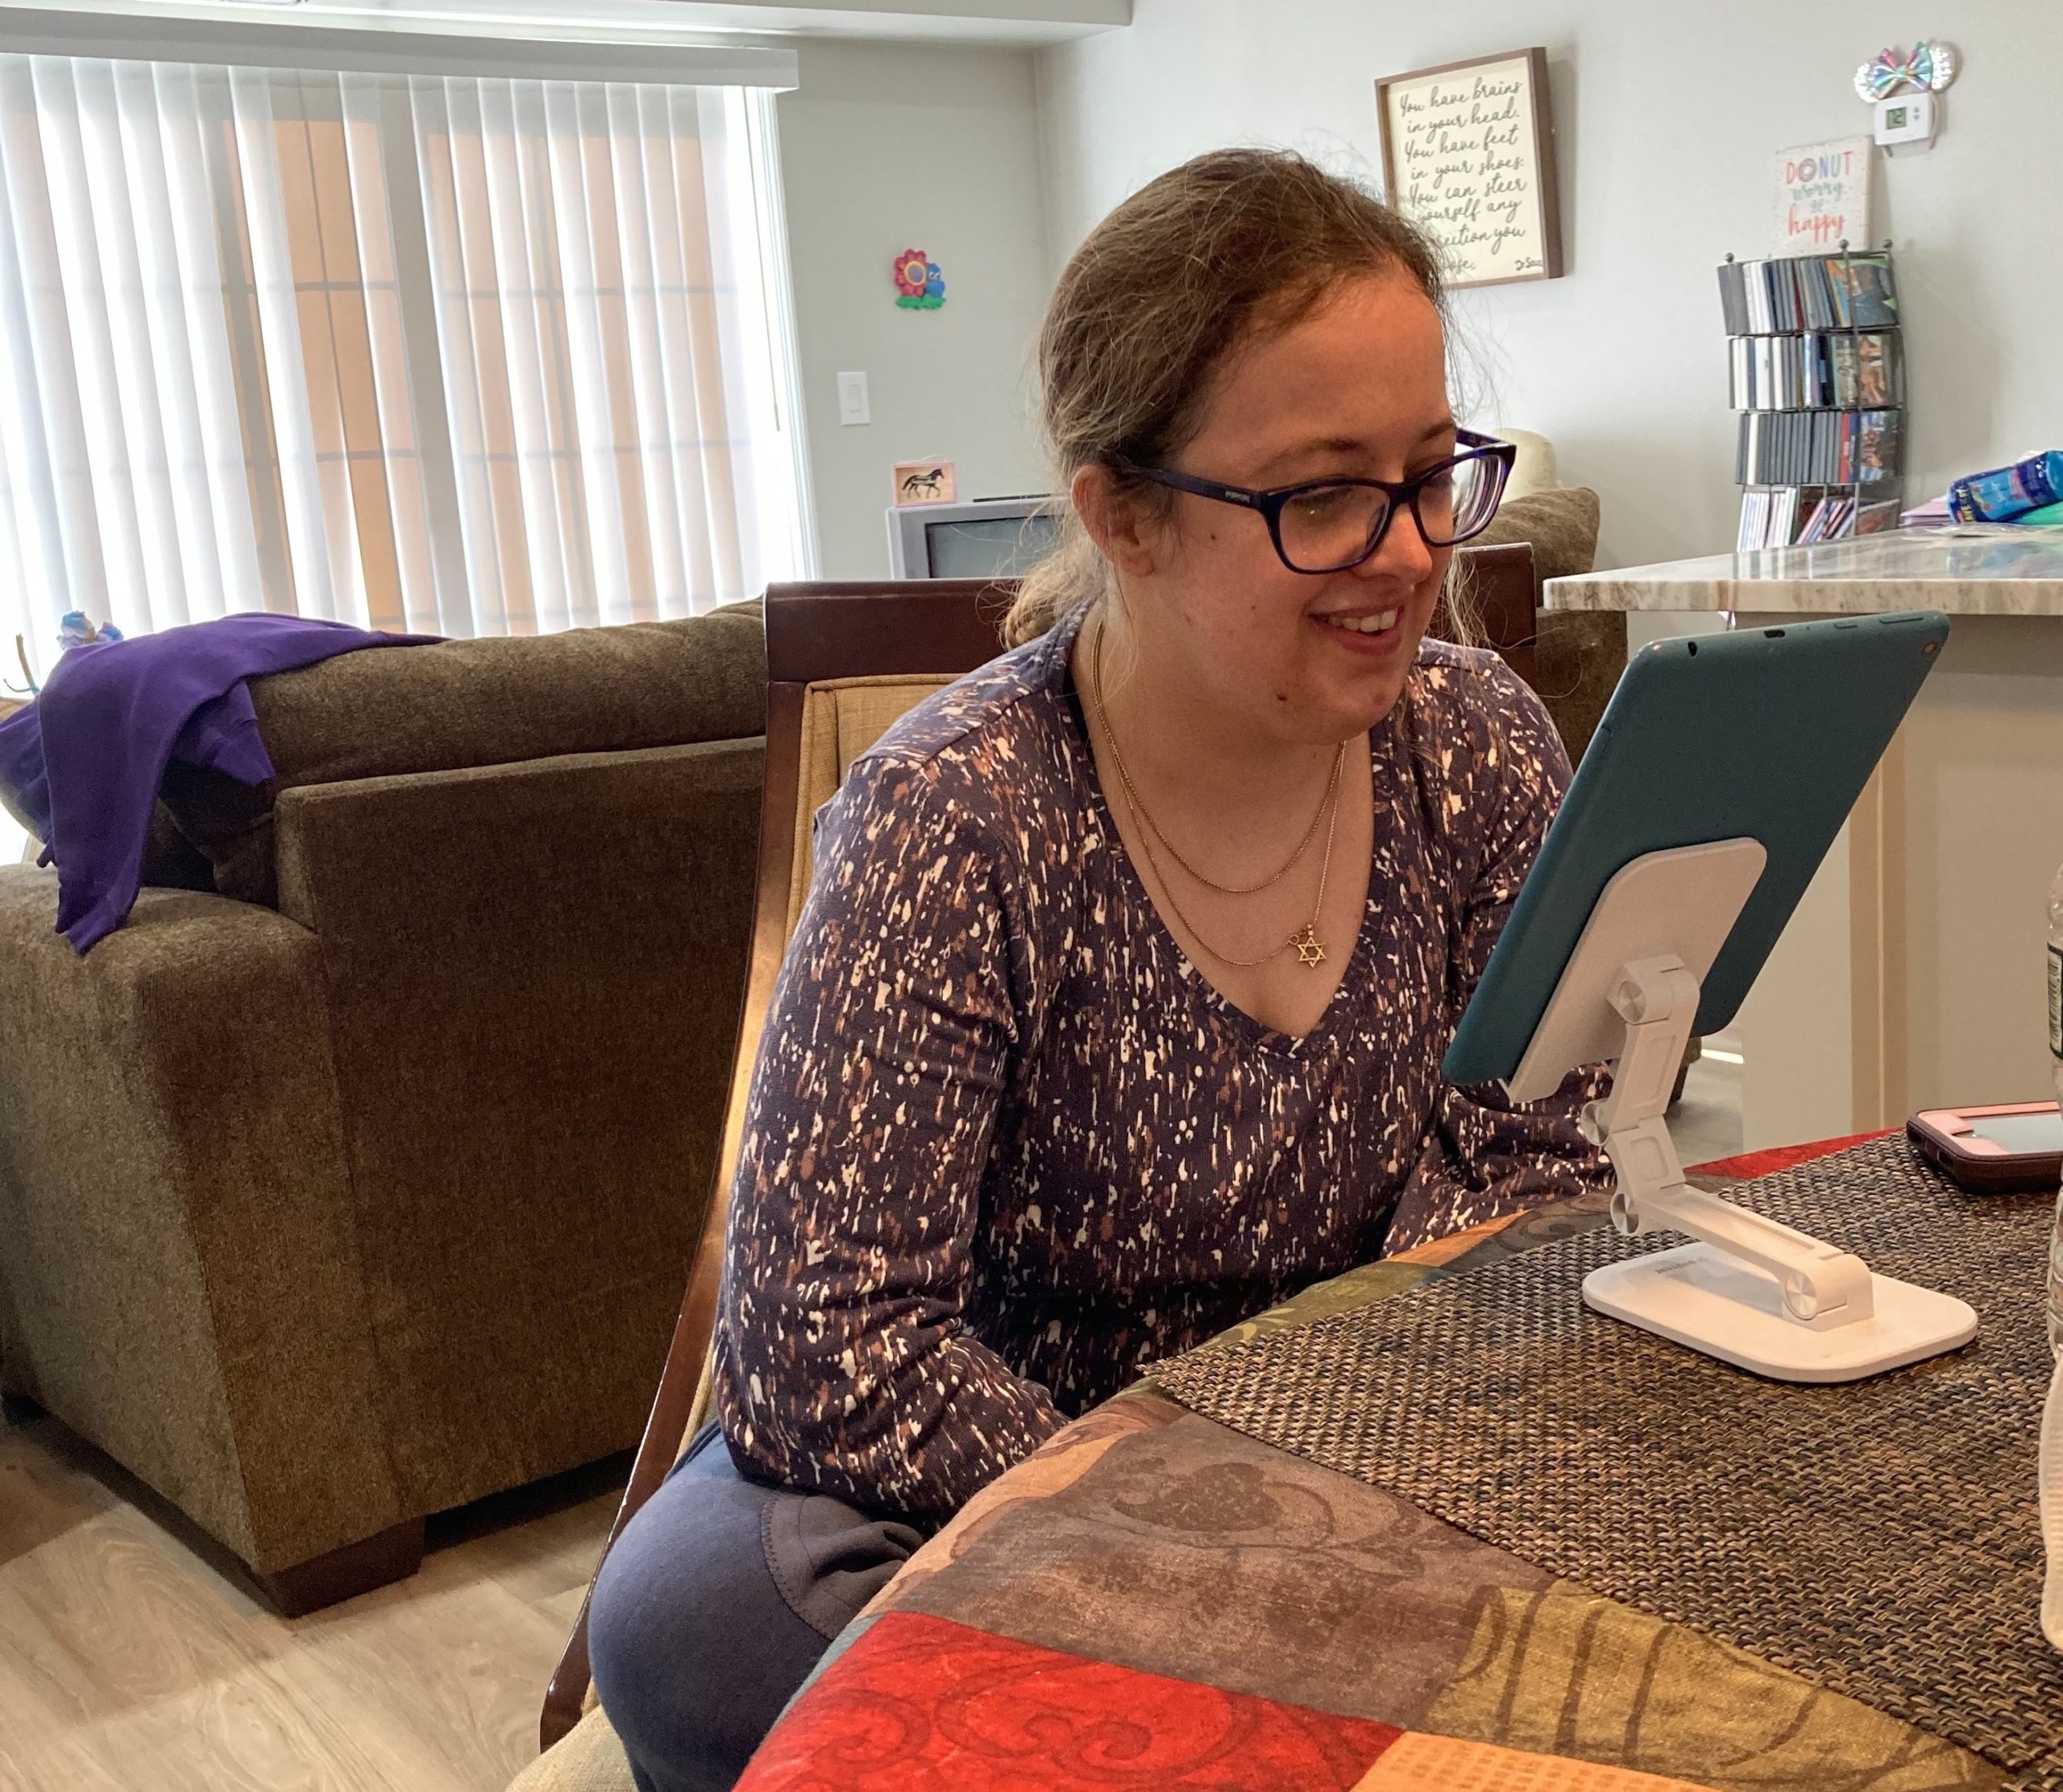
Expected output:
(1880, 1539)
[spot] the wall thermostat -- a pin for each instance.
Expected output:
(1907, 118)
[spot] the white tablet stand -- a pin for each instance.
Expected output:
(1750, 1291)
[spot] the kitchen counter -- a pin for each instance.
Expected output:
(1988, 569)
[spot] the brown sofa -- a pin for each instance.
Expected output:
(365, 1189)
(1578, 656)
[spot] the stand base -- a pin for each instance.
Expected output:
(1698, 1297)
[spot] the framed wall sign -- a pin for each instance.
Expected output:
(1823, 196)
(1468, 155)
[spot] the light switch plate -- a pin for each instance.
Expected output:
(853, 406)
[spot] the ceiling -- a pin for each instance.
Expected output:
(1020, 23)
(1015, 22)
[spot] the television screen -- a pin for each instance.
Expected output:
(987, 547)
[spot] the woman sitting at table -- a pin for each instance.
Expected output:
(1116, 1011)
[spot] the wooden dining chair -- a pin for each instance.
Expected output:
(1496, 588)
(843, 662)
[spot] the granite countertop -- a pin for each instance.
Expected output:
(1988, 569)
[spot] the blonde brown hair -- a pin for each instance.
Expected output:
(1195, 263)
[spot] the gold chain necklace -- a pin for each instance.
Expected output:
(1131, 795)
(1303, 942)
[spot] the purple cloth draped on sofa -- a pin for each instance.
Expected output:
(85, 761)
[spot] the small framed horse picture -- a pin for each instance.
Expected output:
(924, 482)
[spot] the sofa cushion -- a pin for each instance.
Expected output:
(462, 704)
(1560, 525)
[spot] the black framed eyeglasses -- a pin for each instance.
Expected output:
(1328, 525)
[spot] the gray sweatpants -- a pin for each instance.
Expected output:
(715, 1604)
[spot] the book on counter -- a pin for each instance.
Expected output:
(1818, 447)
(1841, 371)
(1795, 292)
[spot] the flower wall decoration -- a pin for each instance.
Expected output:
(919, 284)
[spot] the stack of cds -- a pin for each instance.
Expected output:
(1808, 293)
(1817, 447)
(1816, 370)
(1846, 370)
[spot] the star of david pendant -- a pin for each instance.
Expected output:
(1309, 952)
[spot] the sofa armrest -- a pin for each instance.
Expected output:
(534, 972)
(181, 1282)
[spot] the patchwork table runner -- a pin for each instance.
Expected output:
(1880, 1539)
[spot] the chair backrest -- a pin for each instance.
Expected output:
(841, 719)
(1498, 588)
(843, 662)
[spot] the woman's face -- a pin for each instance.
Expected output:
(1355, 389)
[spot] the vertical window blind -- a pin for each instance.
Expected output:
(458, 355)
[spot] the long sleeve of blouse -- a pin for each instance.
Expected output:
(874, 1107)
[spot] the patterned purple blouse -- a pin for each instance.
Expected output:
(1006, 1144)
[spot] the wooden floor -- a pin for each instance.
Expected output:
(127, 1661)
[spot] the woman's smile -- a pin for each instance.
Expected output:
(1370, 633)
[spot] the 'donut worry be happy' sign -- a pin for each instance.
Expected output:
(1468, 155)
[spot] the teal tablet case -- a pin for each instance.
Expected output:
(1765, 732)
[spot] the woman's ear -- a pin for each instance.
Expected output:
(1120, 525)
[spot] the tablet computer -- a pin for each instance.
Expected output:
(2017, 1149)
(1768, 734)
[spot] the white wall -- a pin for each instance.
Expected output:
(890, 147)
(1796, 1027)
(1668, 112)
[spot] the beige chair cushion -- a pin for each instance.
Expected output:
(704, 1408)
(588, 1758)
(841, 719)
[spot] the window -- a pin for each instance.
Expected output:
(458, 355)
